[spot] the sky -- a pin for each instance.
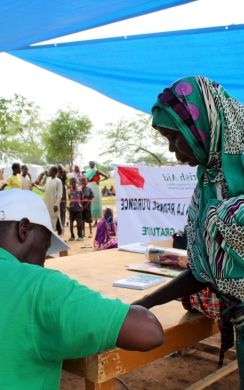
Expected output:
(52, 92)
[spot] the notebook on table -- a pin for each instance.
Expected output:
(136, 247)
(139, 281)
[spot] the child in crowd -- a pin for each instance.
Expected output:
(86, 197)
(75, 210)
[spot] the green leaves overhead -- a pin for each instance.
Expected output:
(65, 132)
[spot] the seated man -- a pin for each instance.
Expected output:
(49, 317)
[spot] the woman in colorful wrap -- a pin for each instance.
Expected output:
(106, 232)
(205, 127)
(94, 178)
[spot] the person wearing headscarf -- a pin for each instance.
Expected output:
(94, 177)
(106, 232)
(205, 127)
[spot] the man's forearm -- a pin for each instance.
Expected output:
(183, 285)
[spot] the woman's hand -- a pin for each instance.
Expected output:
(184, 284)
(142, 302)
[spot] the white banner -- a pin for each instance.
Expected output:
(152, 202)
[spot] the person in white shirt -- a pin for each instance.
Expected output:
(53, 196)
(25, 178)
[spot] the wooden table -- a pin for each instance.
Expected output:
(98, 270)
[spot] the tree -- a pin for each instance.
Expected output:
(135, 141)
(20, 129)
(65, 132)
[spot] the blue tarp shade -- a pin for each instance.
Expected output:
(24, 22)
(135, 69)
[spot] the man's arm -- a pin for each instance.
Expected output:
(80, 322)
(3, 186)
(39, 179)
(8, 183)
(181, 286)
(141, 331)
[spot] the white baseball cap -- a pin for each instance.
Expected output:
(16, 204)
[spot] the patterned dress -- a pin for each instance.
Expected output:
(212, 123)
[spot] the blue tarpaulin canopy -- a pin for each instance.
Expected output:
(135, 69)
(24, 22)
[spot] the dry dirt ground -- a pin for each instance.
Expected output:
(175, 372)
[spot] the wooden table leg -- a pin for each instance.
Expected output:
(109, 385)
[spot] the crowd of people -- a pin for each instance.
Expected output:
(77, 192)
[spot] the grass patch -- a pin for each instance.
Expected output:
(38, 192)
(108, 201)
(108, 182)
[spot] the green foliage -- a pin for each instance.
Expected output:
(108, 182)
(107, 167)
(20, 129)
(135, 141)
(65, 132)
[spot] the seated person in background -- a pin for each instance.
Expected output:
(106, 232)
(49, 317)
(111, 191)
(75, 210)
(14, 180)
(105, 191)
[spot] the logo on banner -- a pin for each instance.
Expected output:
(130, 176)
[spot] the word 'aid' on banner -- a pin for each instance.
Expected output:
(152, 202)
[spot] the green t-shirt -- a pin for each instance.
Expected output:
(47, 317)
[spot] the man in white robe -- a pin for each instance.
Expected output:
(53, 195)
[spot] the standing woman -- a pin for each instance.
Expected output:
(93, 178)
(205, 127)
(63, 177)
